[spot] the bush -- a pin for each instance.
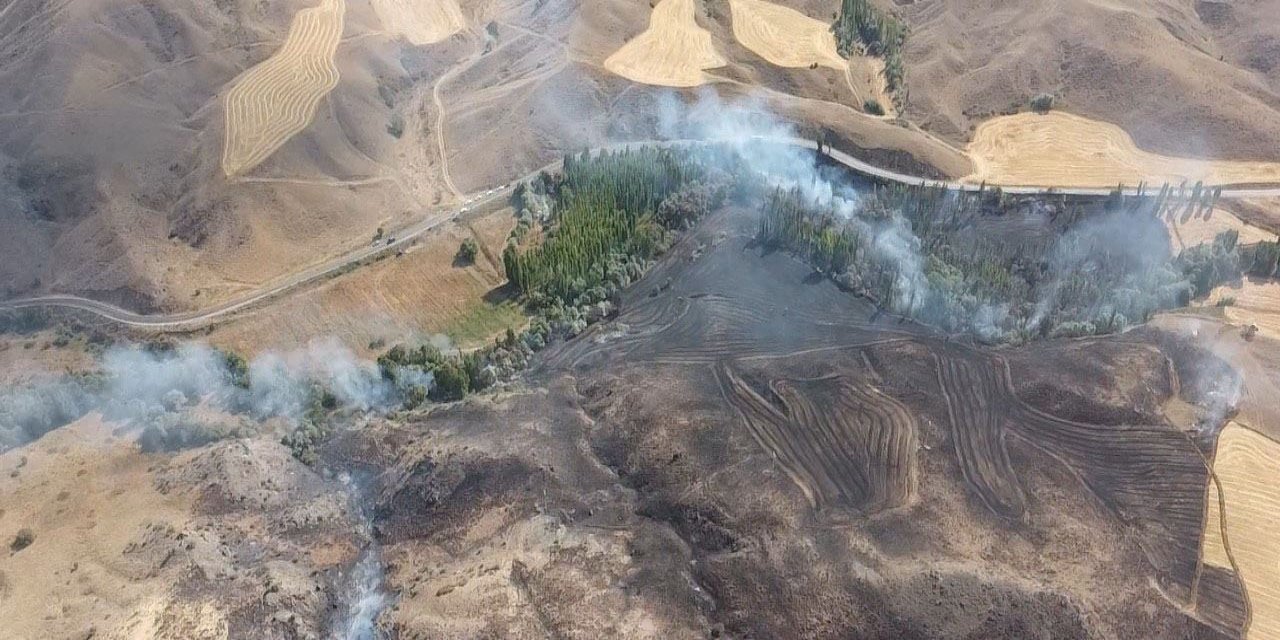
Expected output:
(1042, 103)
(467, 251)
(23, 540)
(451, 380)
(396, 126)
(872, 106)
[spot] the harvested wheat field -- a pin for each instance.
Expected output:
(783, 35)
(276, 99)
(1060, 149)
(420, 21)
(674, 51)
(1196, 230)
(1247, 466)
(1255, 303)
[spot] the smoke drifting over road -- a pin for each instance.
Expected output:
(139, 386)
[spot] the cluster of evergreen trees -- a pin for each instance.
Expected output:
(920, 251)
(609, 211)
(880, 34)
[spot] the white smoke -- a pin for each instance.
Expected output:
(138, 385)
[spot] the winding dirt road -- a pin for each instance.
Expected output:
(179, 322)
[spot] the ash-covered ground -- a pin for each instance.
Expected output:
(748, 451)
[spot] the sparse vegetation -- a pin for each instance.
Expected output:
(873, 107)
(22, 540)
(1042, 103)
(396, 126)
(467, 251)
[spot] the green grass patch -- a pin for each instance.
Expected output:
(483, 320)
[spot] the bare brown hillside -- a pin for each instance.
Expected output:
(1188, 78)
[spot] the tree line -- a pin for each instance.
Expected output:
(926, 253)
(861, 24)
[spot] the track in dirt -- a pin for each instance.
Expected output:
(277, 99)
(673, 52)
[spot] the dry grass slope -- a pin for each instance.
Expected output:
(276, 99)
(674, 51)
(420, 21)
(1060, 149)
(1248, 467)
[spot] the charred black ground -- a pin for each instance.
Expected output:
(747, 450)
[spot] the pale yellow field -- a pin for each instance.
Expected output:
(276, 99)
(1060, 149)
(673, 52)
(420, 21)
(783, 35)
(1197, 230)
(1255, 303)
(1248, 466)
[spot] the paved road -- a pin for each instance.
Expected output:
(402, 238)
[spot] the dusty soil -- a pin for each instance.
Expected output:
(234, 540)
(1185, 79)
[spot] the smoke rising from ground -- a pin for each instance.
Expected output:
(139, 386)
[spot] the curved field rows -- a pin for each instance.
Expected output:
(276, 99)
(673, 52)
(1059, 149)
(975, 408)
(783, 35)
(420, 21)
(1247, 465)
(838, 441)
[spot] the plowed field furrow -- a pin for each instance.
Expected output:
(762, 420)
(975, 412)
(1220, 601)
(841, 442)
(276, 99)
(1152, 477)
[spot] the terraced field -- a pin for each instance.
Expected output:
(1240, 528)
(276, 99)
(420, 21)
(674, 51)
(839, 441)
